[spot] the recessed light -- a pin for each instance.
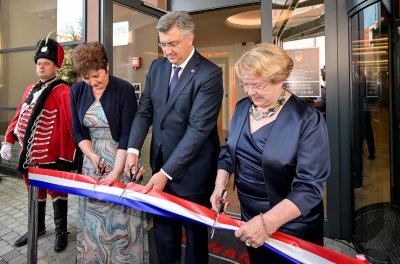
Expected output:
(249, 19)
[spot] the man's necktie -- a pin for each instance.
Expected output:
(174, 79)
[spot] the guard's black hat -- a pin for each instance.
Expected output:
(50, 49)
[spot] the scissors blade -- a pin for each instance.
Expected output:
(220, 210)
(213, 227)
(122, 193)
(97, 181)
(132, 177)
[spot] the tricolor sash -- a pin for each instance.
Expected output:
(160, 203)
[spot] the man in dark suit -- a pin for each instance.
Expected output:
(181, 100)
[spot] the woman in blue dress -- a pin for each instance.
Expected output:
(103, 107)
(278, 150)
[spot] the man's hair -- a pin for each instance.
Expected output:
(180, 19)
(89, 56)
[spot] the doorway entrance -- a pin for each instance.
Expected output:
(242, 31)
(375, 221)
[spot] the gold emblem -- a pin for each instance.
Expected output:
(298, 55)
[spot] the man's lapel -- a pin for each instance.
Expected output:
(186, 76)
(163, 82)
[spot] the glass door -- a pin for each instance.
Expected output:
(396, 115)
(135, 47)
(370, 90)
(370, 126)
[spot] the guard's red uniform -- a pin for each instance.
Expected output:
(51, 139)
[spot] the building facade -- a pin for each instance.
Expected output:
(358, 50)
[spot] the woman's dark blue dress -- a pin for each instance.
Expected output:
(250, 184)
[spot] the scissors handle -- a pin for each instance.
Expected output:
(102, 167)
(132, 177)
(131, 174)
(221, 206)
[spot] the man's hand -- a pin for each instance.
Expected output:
(157, 182)
(131, 159)
(6, 151)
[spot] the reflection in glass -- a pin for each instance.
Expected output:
(370, 107)
(293, 20)
(63, 16)
(11, 89)
(134, 36)
(69, 20)
(374, 219)
(161, 4)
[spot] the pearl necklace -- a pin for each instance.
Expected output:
(258, 115)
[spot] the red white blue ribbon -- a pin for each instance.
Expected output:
(160, 203)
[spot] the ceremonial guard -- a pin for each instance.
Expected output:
(42, 125)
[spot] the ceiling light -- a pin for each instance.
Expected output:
(249, 19)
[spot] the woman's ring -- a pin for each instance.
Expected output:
(248, 243)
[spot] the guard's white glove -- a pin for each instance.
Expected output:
(6, 150)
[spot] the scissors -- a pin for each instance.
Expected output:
(221, 207)
(102, 168)
(132, 176)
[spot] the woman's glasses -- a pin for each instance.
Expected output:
(257, 87)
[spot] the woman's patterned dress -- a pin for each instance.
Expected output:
(107, 232)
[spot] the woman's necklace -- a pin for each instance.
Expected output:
(258, 115)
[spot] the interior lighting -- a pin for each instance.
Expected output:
(249, 19)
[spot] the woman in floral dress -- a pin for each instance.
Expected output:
(103, 107)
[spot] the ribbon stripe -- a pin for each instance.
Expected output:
(163, 204)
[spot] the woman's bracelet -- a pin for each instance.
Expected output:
(263, 223)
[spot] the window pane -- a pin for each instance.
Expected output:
(11, 89)
(134, 36)
(69, 20)
(157, 3)
(44, 16)
(17, 71)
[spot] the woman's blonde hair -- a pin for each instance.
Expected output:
(266, 62)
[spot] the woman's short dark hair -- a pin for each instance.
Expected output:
(89, 56)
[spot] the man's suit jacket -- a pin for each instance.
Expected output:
(184, 125)
(295, 162)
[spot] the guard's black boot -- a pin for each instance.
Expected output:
(23, 240)
(60, 220)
